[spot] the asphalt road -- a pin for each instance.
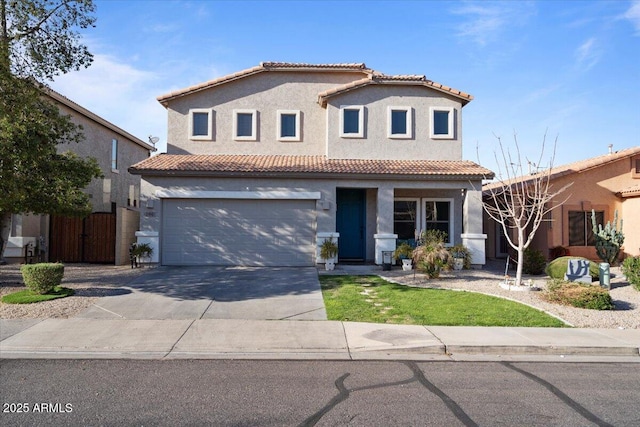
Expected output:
(324, 393)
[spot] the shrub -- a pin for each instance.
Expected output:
(403, 251)
(558, 267)
(631, 269)
(578, 295)
(534, 261)
(432, 237)
(42, 278)
(431, 258)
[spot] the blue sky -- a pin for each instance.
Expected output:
(567, 68)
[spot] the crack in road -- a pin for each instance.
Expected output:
(584, 412)
(418, 376)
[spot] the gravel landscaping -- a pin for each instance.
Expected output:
(89, 281)
(94, 281)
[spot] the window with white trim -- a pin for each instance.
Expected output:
(114, 154)
(200, 123)
(245, 125)
(352, 121)
(399, 122)
(288, 125)
(442, 123)
(438, 215)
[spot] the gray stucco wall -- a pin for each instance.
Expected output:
(151, 218)
(376, 144)
(267, 93)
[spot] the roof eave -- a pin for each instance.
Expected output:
(308, 175)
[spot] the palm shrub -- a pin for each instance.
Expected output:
(43, 277)
(534, 261)
(631, 269)
(432, 256)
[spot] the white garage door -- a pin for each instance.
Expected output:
(238, 232)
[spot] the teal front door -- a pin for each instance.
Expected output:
(350, 223)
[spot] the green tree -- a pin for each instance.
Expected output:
(38, 41)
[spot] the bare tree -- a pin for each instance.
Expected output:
(519, 201)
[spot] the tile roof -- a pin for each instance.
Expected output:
(633, 191)
(379, 79)
(576, 167)
(370, 77)
(269, 165)
(263, 67)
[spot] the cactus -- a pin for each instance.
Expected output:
(609, 239)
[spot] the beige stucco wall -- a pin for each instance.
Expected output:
(127, 223)
(631, 226)
(116, 186)
(376, 144)
(267, 93)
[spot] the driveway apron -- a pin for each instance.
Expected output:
(265, 293)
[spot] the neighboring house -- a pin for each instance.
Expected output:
(265, 164)
(604, 184)
(104, 236)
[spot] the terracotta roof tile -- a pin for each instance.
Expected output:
(263, 67)
(377, 79)
(633, 191)
(176, 164)
(576, 167)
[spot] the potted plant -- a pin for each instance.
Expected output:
(404, 252)
(460, 257)
(328, 252)
(141, 250)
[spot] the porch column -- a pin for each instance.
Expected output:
(472, 236)
(384, 238)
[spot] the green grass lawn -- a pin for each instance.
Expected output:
(29, 297)
(372, 299)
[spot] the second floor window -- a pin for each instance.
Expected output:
(288, 125)
(399, 122)
(442, 123)
(114, 154)
(245, 125)
(352, 121)
(200, 123)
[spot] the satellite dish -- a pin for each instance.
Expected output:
(153, 140)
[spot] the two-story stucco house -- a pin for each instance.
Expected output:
(105, 235)
(265, 164)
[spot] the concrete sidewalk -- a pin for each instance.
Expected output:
(269, 339)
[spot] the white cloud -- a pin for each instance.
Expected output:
(633, 15)
(486, 21)
(119, 93)
(588, 54)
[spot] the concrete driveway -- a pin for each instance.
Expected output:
(275, 293)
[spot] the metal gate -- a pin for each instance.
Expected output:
(91, 239)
